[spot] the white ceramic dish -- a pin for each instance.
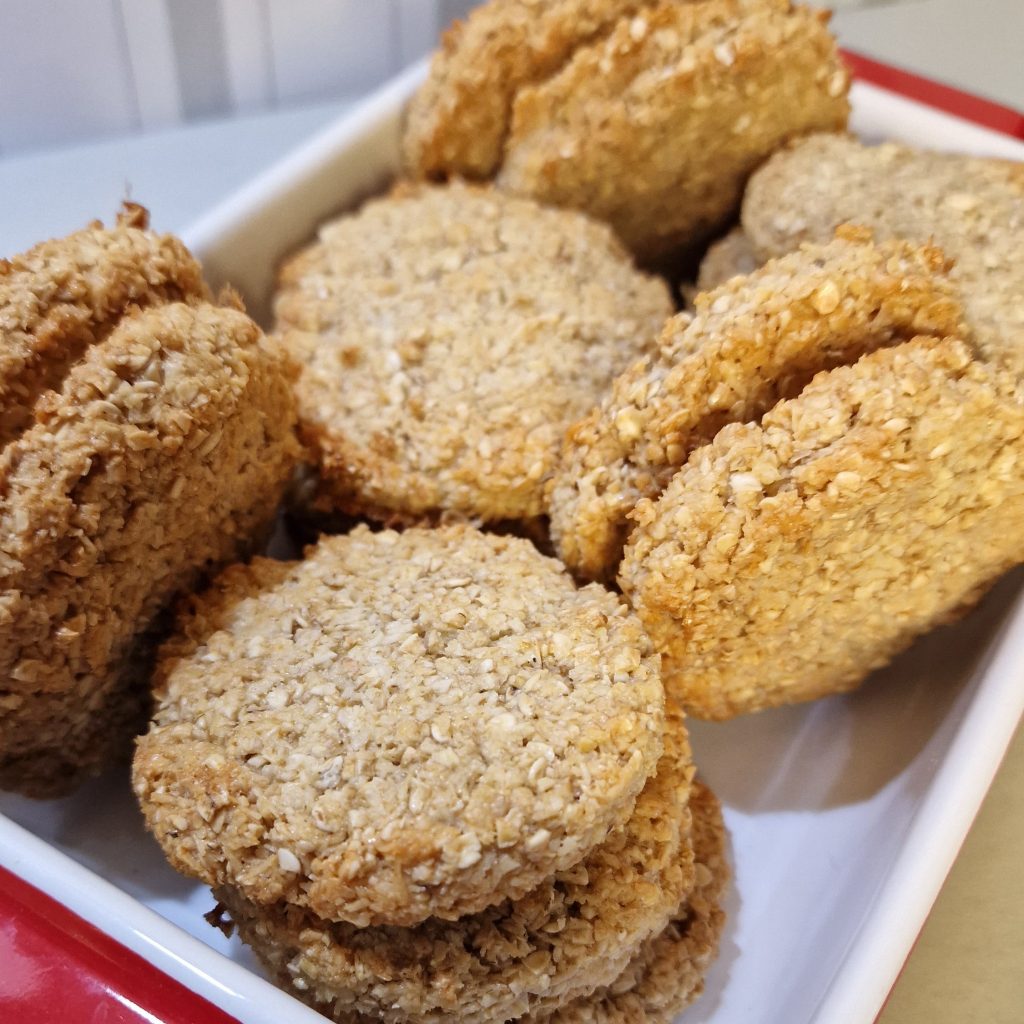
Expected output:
(845, 815)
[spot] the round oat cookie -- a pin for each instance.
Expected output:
(656, 126)
(447, 336)
(972, 208)
(668, 972)
(571, 934)
(786, 560)
(399, 726)
(164, 454)
(750, 342)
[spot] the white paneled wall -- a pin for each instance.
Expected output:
(72, 70)
(64, 72)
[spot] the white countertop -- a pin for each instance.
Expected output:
(967, 965)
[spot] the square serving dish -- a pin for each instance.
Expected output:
(845, 815)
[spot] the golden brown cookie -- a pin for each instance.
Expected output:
(447, 337)
(656, 127)
(573, 933)
(65, 294)
(164, 454)
(458, 119)
(971, 208)
(787, 560)
(668, 972)
(750, 342)
(399, 726)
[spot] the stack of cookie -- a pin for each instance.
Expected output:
(147, 436)
(430, 777)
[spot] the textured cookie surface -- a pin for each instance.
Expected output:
(655, 127)
(752, 341)
(165, 453)
(786, 560)
(458, 119)
(668, 972)
(971, 208)
(402, 725)
(447, 337)
(65, 294)
(576, 931)
(729, 257)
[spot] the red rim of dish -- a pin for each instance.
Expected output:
(58, 967)
(977, 109)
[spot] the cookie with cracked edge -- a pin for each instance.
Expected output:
(447, 336)
(748, 343)
(667, 974)
(787, 560)
(973, 208)
(163, 454)
(655, 127)
(400, 726)
(573, 933)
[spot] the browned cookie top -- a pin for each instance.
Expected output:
(750, 342)
(458, 120)
(656, 127)
(447, 336)
(67, 293)
(649, 115)
(787, 560)
(165, 453)
(399, 726)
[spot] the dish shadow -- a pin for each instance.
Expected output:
(844, 749)
(102, 828)
(707, 1004)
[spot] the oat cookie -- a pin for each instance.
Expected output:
(729, 257)
(65, 294)
(458, 119)
(576, 931)
(164, 453)
(787, 560)
(971, 208)
(752, 341)
(399, 726)
(447, 337)
(656, 127)
(668, 972)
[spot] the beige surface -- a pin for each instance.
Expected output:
(968, 964)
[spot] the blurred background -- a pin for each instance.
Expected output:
(72, 71)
